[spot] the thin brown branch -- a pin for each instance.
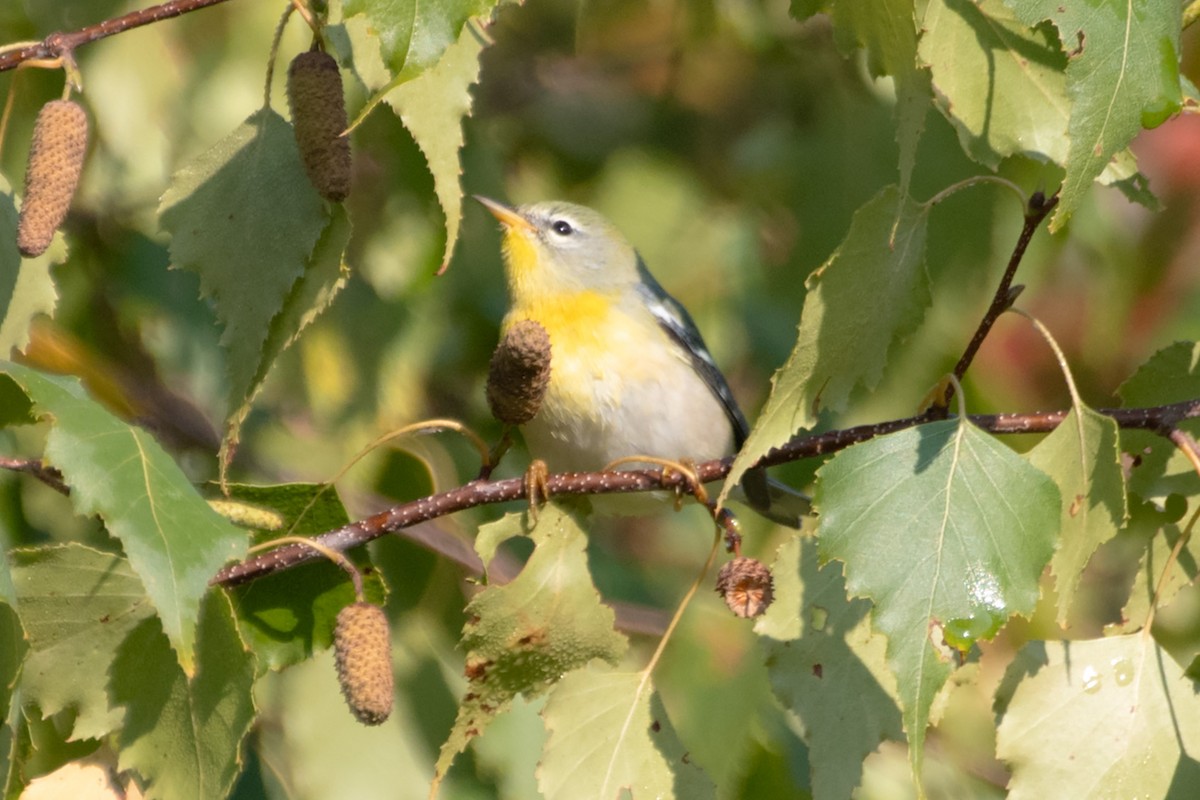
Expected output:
(1038, 209)
(486, 492)
(57, 45)
(47, 475)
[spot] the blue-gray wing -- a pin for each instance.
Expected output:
(678, 323)
(770, 498)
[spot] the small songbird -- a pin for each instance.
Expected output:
(629, 372)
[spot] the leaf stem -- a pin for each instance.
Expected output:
(274, 54)
(1076, 402)
(683, 604)
(975, 180)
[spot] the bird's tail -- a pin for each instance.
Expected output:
(776, 501)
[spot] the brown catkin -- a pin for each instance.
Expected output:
(747, 586)
(318, 116)
(519, 372)
(363, 651)
(55, 161)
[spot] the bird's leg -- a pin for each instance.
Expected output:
(536, 486)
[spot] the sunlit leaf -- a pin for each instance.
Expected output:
(173, 540)
(433, 106)
(78, 605)
(1000, 83)
(522, 636)
(411, 36)
(1122, 75)
(828, 667)
(1109, 717)
(611, 737)
(872, 291)
(184, 735)
(948, 532)
(1082, 457)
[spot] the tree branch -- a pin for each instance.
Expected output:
(487, 492)
(57, 45)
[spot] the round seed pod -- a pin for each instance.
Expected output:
(60, 137)
(363, 651)
(318, 106)
(519, 372)
(747, 586)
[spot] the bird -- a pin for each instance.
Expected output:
(630, 374)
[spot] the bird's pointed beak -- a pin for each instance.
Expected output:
(508, 216)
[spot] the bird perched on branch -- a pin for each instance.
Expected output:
(630, 374)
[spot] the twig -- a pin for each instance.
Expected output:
(47, 475)
(485, 492)
(57, 45)
(1038, 209)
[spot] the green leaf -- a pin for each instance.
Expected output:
(947, 531)
(314, 292)
(872, 291)
(13, 648)
(828, 667)
(1122, 75)
(245, 218)
(183, 735)
(1000, 83)
(1109, 717)
(26, 288)
(610, 737)
(287, 617)
(432, 107)
(1171, 375)
(521, 636)
(79, 605)
(1082, 457)
(411, 36)
(173, 540)
(888, 31)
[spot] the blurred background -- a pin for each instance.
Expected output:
(732, 145)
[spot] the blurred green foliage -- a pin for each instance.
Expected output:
(732, 144)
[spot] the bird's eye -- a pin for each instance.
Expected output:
(562, 227)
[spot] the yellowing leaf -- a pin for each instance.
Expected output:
(522, 636)
(1103, 718)
(78, 605)
(611, 737)
(1082, 457)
